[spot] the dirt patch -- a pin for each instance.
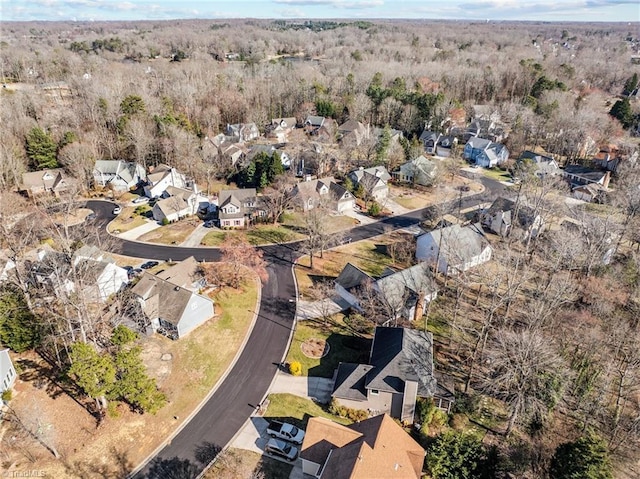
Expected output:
(315, 348)
(74, 218)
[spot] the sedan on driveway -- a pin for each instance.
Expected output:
(281, 449)
(149, 265)
(141, 199)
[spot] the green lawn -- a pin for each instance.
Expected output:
(496, 174)
(257, 235)
(344, 346)
(297, 410)
(127, 220)
(214, 238)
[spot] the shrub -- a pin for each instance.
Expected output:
(425, 407)
(7, 395)
(165, 221)
(467, 403)
(375, 209)
(295, 368)
(459, 421)
(359, 323)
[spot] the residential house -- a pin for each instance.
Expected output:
(610, 158)
(395, 135)
(281, 128)
(270, 150)
(445, 145)
(430, 141)
(376, 448)
(485, 153)
(169, 308)
(400, 369)
(242, 132)
(118, 174)
(454, 248)
(313, 123)
(501, 219)
(238, 208)
(177, 203)
(578, 175)
(419, 171)
(591, 193)
(542, 165)
(53, 182)
(96, 275)
(187, 274)
(373, 180)
(402, 294)
(161, 177)
(353, 133)
(7, 371)
(325, 192)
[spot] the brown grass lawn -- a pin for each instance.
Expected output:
(196, 363)
(174, 233)
(257, 235)
(366, 255)
(126, 221)
(240, 464)
(448, 189)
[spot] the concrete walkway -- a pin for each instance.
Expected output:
(196, 236)
(135, 233)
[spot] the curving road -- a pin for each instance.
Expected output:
(216, 423)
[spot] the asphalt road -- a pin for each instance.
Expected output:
(213, 427)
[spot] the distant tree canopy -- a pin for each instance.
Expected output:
(630, 85)
(41, 149)
(586, 458)
(131, 105)
(261, 171)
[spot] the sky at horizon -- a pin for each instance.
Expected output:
(535, 10)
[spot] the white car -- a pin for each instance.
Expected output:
(141, 199)
(117, 210)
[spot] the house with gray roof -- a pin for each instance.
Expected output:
(353, 132)
(430, 140)
(485, 153)
(454, 248)
(242, 132)
(507, 217)
(400, 369)
(238, 208)
(7, 371)
(118, 174)
(160, 178)
(53, 181)
(313, 123)
(401, 294)
(541, 165)
(373, 180)
(280, 128)
(310, 194)
(169, 308)
(186, 274)
(419, 171)
(579, 175)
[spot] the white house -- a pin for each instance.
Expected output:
(374, 181)
(7, 371)
(419, 171)
(170, 308)
(118, 174)
(177, 203)
(455, 248)
(161, 177)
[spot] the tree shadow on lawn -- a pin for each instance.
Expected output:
(177, 468)
(342, 348)
(120, 467)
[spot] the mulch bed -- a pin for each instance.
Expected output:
(315, 348)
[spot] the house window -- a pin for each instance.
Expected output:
(374, 392)
(236, 222)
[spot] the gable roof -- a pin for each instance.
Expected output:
(459, 243)
(48, 179)
(526, 214)
(315, 121)
(182, 274)
(352, 277)
(416, 279)
(588, 175)
(158, 173)
(289, 122)
(183, 193)
(163, 299)
(5, 364)
(478, 143)
(399, 355)
(124, 169)
(172, 205)
(537, 158)
(374, 448)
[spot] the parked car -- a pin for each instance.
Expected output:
(117, 210)
(209, 224)
(286, 431)
(140, 199)
(149, 265)
(90, 217)
(282, 449)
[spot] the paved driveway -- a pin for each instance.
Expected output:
(320, 309)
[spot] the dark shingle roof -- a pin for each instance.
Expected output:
(352, 277)
(350, 381)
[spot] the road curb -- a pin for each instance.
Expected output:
(209, 394)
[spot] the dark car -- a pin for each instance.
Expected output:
(209, 224)
(282, 449)
(149, 264)
(90, 217)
